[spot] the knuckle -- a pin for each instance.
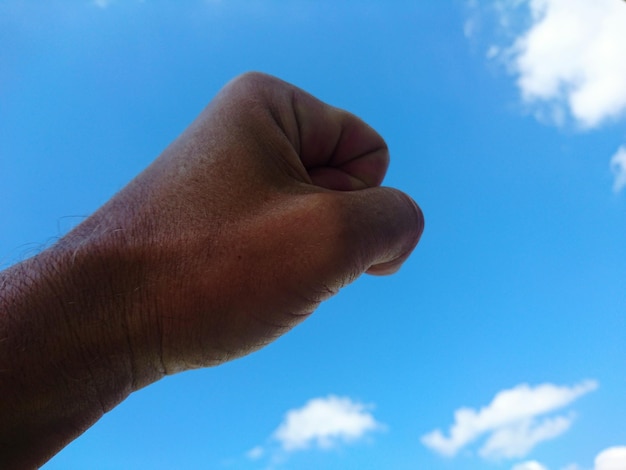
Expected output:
(253, 83)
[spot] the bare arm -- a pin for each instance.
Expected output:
(267, 205)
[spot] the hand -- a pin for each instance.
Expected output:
(265, 206)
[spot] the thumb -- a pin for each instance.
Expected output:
(384, 227)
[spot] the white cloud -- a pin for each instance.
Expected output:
(611, 459)
(323, 423)
(618, 165)
(511, 421)
(531, 465)
(566, 57)
(571, 57)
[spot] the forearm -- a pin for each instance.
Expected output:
(65, 356)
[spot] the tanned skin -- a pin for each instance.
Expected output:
(268, 204)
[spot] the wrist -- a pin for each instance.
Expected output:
(69, 349)
(104, 268)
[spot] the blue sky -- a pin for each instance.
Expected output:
(505, 121)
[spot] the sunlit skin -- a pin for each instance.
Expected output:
(268, 204)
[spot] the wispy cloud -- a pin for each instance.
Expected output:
(513, 423)
(255, 453)
(531, 465)
(613, 458)
(322, 423)
(618, 165)
(102, 3)
(518, 439)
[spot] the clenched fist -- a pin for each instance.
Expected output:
(265, 206)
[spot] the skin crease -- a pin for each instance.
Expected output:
(268, 204)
